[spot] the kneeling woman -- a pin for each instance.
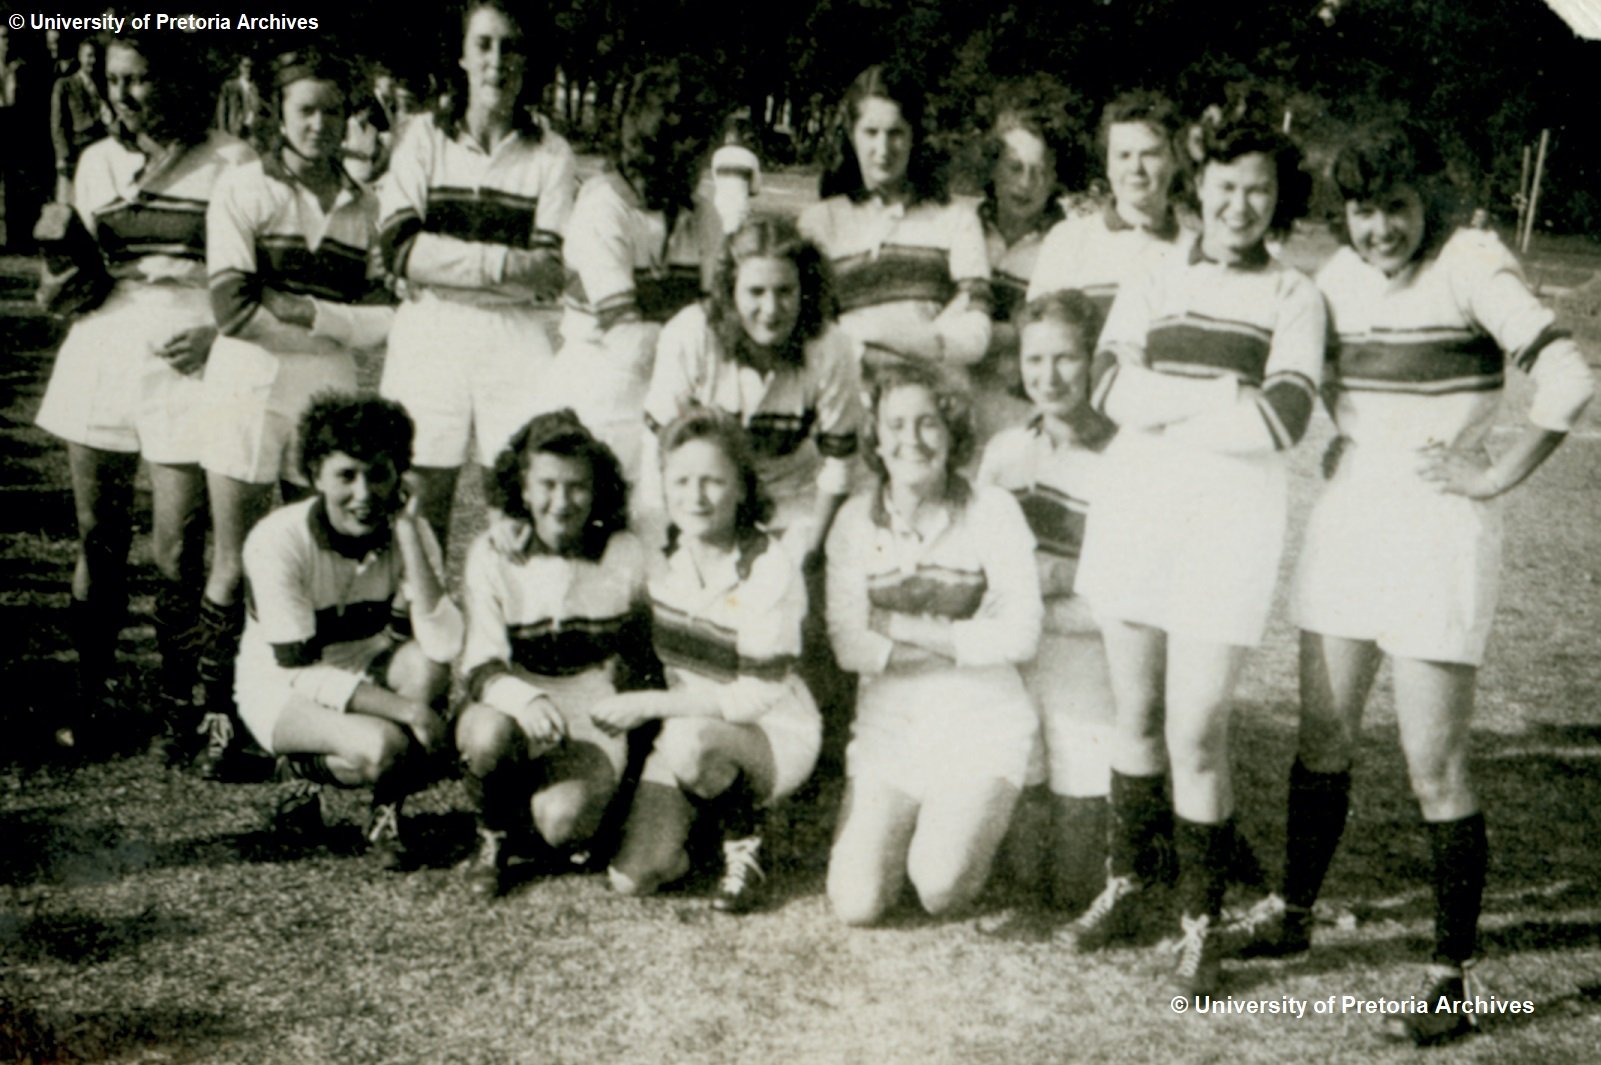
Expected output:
(548, 628)
(347, 646)
(739, 730)
(933, 598)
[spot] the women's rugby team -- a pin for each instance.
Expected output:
(1019, 470)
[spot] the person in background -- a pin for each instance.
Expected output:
(736, 172)
(239, 101)
(910, 267)
(79, 115)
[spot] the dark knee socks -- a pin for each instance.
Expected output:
(1204, 855)
(1318, 807)
(95, 625)
(174, 620)
(217, 639)
(1461, 854)
(1141, 827)
(738, 810)
(1078, 847)
(502, 794)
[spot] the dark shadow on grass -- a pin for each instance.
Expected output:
(84, 939)
(180, 1035)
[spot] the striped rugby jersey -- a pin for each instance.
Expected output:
(1420, 358)
(784, 411)
(974, 568)
(549, 615)
(1052, 484)
(319, 601)
(266, 229)
(450, 211)
(149, 216)
(1097, 254)
(739, 624)
(621, 260)
(1256, 327)
(930, 255)
(1012, 265)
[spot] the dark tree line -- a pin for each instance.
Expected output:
(1483, 75)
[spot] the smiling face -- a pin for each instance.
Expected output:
(559, 491)
(882, 141)
(1140, 165)
(767, 298)
(493, 58)
(313, 122)
(703, 490)
(914, 443)
(1387, 232)
(129, 87)
(359, 496)
(1024, 175)
(1237, 197)
(1055, 366)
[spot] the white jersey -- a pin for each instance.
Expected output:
(1099, 253)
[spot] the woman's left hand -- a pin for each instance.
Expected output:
(617, 715)
(407, 515)
(1457, 473)
(188, 350)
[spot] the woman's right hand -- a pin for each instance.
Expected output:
(537, 270)
(508, 535)
(289, 309)
(543, 724)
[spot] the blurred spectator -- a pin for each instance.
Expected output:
(79, 115)
(13, 98)
(239, 102)
(61, 64)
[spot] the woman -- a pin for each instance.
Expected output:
(739, 731)
(287, 242)
(911, 268)
(638, 247)
(764, 349)
(1022, 203)
(473, 210)
(1427, 318)
(1051, 465)
(1099, 253)
(934, 600)
(127, 380)
(346, 655)
(1216, 352)
(548, 629)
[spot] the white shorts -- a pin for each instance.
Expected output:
(109, 391)
(1072, 692)
(793, 730)
(1185, 541)
(465, 372)
(255, 400)
(1389, 558)
(919, 731)
(263, 692)
(574, 696)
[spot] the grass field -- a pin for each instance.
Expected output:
(146, 916)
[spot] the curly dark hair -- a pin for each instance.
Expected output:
(992, 148)
(704, 423)
(561, 433)
(287, 69)
(774, 237)
(450, 107)
(1229, 139)
(364, 427)
(955, 405)
(1383, 157)
(179, 79)
(925, 172)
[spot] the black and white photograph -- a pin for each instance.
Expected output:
(986, 532)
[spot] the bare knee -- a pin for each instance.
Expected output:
(415, 676)
(381, 754)
(484, 738)
(694, 760)
(563, 816)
